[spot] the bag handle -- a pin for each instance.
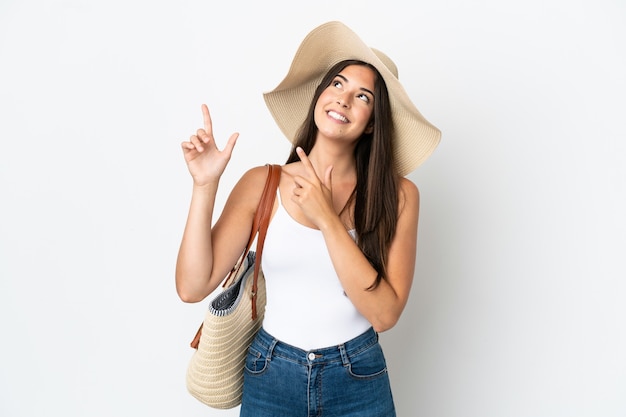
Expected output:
(260, 223)
(259, 226)
(264, 213)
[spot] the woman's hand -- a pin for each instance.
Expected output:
(205, 161)
(313, 195)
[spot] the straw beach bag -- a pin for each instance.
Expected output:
(215, 371)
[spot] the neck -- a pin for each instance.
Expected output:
(341, 159)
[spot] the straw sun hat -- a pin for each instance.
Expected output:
(415, 138)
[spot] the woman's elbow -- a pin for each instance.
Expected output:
(384, 323)
(188, 297)
(187, 293)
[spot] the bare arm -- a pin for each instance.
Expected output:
(206, 164)
(382, 306)
(208, 254)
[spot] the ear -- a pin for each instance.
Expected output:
(370, 127)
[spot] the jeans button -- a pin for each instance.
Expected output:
(311, 356)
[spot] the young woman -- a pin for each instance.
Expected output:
(340, 250)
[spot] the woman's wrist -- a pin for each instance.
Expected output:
(206, 186)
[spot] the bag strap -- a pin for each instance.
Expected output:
(264, 213)
(259, 227)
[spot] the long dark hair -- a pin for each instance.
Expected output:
(376, 193)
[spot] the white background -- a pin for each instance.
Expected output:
(519, 300)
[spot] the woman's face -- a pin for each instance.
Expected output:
(344, 109)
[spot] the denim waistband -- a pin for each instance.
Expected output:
(338, 353)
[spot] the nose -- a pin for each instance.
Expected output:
(342, 100)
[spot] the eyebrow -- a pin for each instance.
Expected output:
(362, 88)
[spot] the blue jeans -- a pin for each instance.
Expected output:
(346, 380)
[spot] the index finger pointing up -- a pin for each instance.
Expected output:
(301, 153)
(305, 161)
(208, 126)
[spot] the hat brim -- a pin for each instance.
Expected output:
(415, 138)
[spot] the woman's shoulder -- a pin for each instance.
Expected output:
(406, 185)
(409, 194)
(292, 168)
(248, 190)
(255, 173)
(253, 179)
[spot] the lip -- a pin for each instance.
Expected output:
(337, 116)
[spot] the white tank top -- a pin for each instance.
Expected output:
(306, 305)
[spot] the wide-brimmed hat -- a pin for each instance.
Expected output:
(415, 138)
